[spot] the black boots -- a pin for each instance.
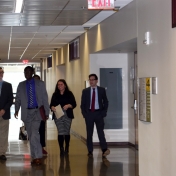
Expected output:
(61, 151)
(61, 139)
(61, 144)
(67, 142)
(66, 150)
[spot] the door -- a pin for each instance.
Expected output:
(111, 79)
(135, 106)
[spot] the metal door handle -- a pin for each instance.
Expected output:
(135, 105)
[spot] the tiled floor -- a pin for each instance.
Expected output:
(120, 162)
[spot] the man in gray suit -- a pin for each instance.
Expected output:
(6, 100)
(31, 95)
(94, 106)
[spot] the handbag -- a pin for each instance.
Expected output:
(23, 133)
(42, 113)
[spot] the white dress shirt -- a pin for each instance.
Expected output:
(96, 98)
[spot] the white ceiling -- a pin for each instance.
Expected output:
(44, 25)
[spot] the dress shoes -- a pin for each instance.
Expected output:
(106, 162)
(106, 152)
(37, 161)
(44, 152)
(3, 157)
(90, 155)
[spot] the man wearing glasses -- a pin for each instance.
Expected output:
(6, 100)
(94, 105)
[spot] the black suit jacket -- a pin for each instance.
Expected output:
(86, 101)
(6, 99)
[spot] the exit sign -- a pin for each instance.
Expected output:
(100, 4)
(25, 61)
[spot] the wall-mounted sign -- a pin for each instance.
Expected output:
(100, 4)
(145, 88)
(74, 49)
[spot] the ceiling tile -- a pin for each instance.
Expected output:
(24, 29)
(22, 35)
(50, 29)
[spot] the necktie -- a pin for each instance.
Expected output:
(93, 101)
(30, 95)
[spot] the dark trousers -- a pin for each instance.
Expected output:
(95, 117)
(61, 139)
(42, 133)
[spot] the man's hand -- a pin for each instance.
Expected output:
(16, 115)
(2, 112)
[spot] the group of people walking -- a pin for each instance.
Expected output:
(32, 95)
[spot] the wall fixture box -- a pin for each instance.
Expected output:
(147, 38)
(145, 99)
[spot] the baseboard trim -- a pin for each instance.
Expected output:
(116, 144)
(78, 136)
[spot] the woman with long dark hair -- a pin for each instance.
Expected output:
(64, 97)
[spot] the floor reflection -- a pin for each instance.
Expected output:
(64, 167)
(121, 161)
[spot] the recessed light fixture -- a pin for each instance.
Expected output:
(18, 6)
(86, 28)
(117, 8)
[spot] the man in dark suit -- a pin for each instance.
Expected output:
(31, 95)
(42, 128)
(6, 100)
(94, 105)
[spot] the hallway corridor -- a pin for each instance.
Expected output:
(120, 162)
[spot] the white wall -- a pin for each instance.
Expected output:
(98, 61)
(157, 140)
(60, 71)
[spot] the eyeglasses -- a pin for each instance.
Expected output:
(92, 79)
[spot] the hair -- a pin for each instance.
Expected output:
(36, 76)
(29, 67)
(64, 82)
(93, 74)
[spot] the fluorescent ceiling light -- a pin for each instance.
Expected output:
(18, 7)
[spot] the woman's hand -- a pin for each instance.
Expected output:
(2, 112)
(67, 106)
(53, 108)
